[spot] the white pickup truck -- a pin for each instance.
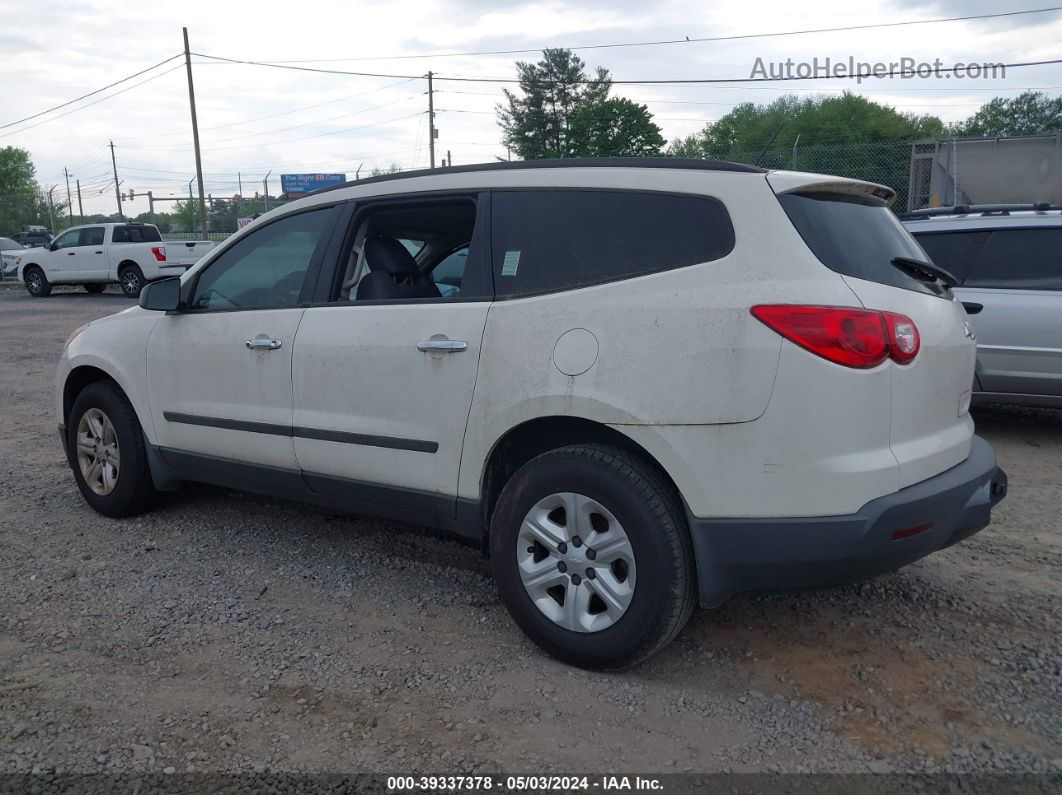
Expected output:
(96, 255)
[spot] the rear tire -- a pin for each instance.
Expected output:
(106, 452)
(95, 287)
(131, 279)
(642, 589)
(37, 283)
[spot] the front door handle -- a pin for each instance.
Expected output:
(442, 346)
(263, 342)
(70, 253)
(971, 307)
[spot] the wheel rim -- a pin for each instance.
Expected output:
(97, 452)
(34, 280)
(576, 562)
(130, 281)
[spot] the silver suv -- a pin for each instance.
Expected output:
(1007, 261)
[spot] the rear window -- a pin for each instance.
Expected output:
(1020, 259)
(955, 252)
(549, 240)
(135, 234)
(855, 237)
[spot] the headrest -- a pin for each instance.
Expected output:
(386, 254)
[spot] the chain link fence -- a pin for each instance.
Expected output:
(886, 163)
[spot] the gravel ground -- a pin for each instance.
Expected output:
(227, 632)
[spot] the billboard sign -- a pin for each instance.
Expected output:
(299, 184)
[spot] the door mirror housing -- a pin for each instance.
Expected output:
(163, 295)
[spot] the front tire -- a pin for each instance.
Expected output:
(592, 557)
(106, 452)
(94, 287)
(131, 279)
(37, 283)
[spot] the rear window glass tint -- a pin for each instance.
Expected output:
(1021, 259)
(549, 240)
(855, 237)
(136, 234)
(955, 252)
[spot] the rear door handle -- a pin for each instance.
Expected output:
(70, 253)
(263, 342)
(971, 307)
(443, 346)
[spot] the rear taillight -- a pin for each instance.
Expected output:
(852, 337)
(903, 337)
(159, 252)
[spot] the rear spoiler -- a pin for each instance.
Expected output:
(801, 182)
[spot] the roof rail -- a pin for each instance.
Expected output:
(979, 209)
(698, 164)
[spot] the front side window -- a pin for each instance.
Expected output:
(266, 269)
(548, 240)
(68, 239)
(1020, 259)
(92, 236)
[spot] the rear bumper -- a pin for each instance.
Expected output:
(735, 555)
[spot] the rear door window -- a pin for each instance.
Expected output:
(549, 240)
(1020, 259)
(136, 234)
(955, 252)
(92, 236)
(855, 236)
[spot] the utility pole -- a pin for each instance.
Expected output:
(69, 201)
(51, 209)
(431, 123)
(191, 204)
(195, 130)
(265, 187)
(239, 179)
(151, 207)
(80, 208)
(449, 160)
(117, 192)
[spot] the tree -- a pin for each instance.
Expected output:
(615, 127)
(537, 124)
(818, 120)
(20, 200)
(1028, 113)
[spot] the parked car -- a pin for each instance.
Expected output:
(655, 383)
(96, 255)
(33, 237)
(1007, 261)
(9, 253)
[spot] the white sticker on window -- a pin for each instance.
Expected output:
(510, 263)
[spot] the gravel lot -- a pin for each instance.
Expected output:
(227, 632)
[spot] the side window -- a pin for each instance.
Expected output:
(416, 250)
(266, 269)
(548, 240)
(92, 236)
(68, 239)
(449, 273)
(955, 252)
(1020, 259)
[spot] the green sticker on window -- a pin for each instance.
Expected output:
(510, 263)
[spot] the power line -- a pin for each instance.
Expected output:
(685, 40)
(91, 93)
(892, 73)
(96, 102)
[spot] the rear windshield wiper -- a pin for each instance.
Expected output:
(924, 271)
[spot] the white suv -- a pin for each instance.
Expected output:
(639, 384)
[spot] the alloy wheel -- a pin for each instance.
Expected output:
(97, 452)
(576, 562)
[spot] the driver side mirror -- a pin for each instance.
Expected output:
(163, 295)
(52, 246)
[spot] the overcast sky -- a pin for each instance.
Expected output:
(320, 122)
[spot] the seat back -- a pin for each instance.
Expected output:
(393, 273)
